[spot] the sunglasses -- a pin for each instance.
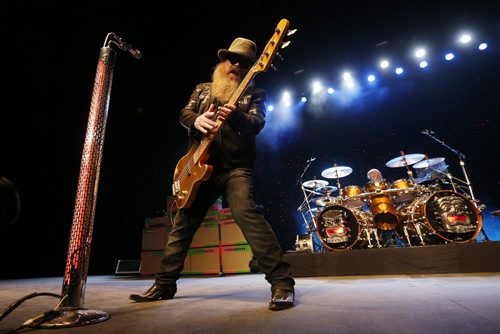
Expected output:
(245, 63)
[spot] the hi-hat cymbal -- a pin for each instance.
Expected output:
(428, 162)
(326, 189)
(337, 171)
(405, 160)
(313, 184)
(324, 201)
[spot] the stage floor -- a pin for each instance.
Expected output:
(430, 303)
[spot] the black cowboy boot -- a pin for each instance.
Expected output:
(281, 299)
(155, 292)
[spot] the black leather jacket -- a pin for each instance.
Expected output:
(234, 144)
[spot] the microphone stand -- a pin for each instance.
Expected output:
(70, 311)
(306, 197)
(461, 159)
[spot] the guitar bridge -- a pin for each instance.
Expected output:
(175, 188)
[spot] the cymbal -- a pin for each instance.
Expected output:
(336, 172)
(326, 189)
(428, 162)
(405, 160)
(324, 201)
(313, 184)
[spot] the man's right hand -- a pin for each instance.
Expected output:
(204, 122)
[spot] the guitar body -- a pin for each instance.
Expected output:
(186, 185)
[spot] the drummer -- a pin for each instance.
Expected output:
(374, 175)
(377, 182)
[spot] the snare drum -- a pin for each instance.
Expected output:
(351, 197)
(406, 193)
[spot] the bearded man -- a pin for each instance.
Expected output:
(232, 154)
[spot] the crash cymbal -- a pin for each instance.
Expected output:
(313, 184)
(325, 189)
(428, 162)
(336, 172)
(405, 160)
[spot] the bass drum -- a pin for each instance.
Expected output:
(339, 228)
(440, 217)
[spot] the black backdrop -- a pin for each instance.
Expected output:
(49, 71)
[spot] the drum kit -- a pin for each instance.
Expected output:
(430, 209)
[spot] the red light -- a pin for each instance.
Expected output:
(452, 219)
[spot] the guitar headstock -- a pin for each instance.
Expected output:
(271, 48)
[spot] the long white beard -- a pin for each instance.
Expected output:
(223, 86)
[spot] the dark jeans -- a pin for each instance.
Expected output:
(237, 186)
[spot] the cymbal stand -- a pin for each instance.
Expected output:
(338, 182)
(461, 160)
(408, 170)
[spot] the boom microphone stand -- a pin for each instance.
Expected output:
(461, 159)
(305, 204)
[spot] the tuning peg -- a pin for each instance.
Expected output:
(291, 32)
(279, 56)
(273, 67)
(285, 44)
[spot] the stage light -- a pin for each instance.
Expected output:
(420, 53)
(483, 46)
(371, 78)
(304, 99)
(347, 76)
(384, 63)
(449, 56)
(286, 99)
(423, 64)
(330, 90)
(317, 87)
(465, 38)
(399, 71)
(270, 108)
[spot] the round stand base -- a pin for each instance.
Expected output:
(73, 318)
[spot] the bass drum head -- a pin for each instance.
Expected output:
(337, 227)
(452, 216)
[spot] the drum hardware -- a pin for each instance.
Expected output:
(461, 159)
(390, 238)
(368, 232)
(418, 234)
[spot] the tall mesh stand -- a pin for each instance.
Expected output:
(70, 311)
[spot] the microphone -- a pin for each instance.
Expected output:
(134, 52)
(427, 132)
(311, 159)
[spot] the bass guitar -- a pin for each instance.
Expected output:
(191, 170)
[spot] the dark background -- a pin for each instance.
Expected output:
(50, 56)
